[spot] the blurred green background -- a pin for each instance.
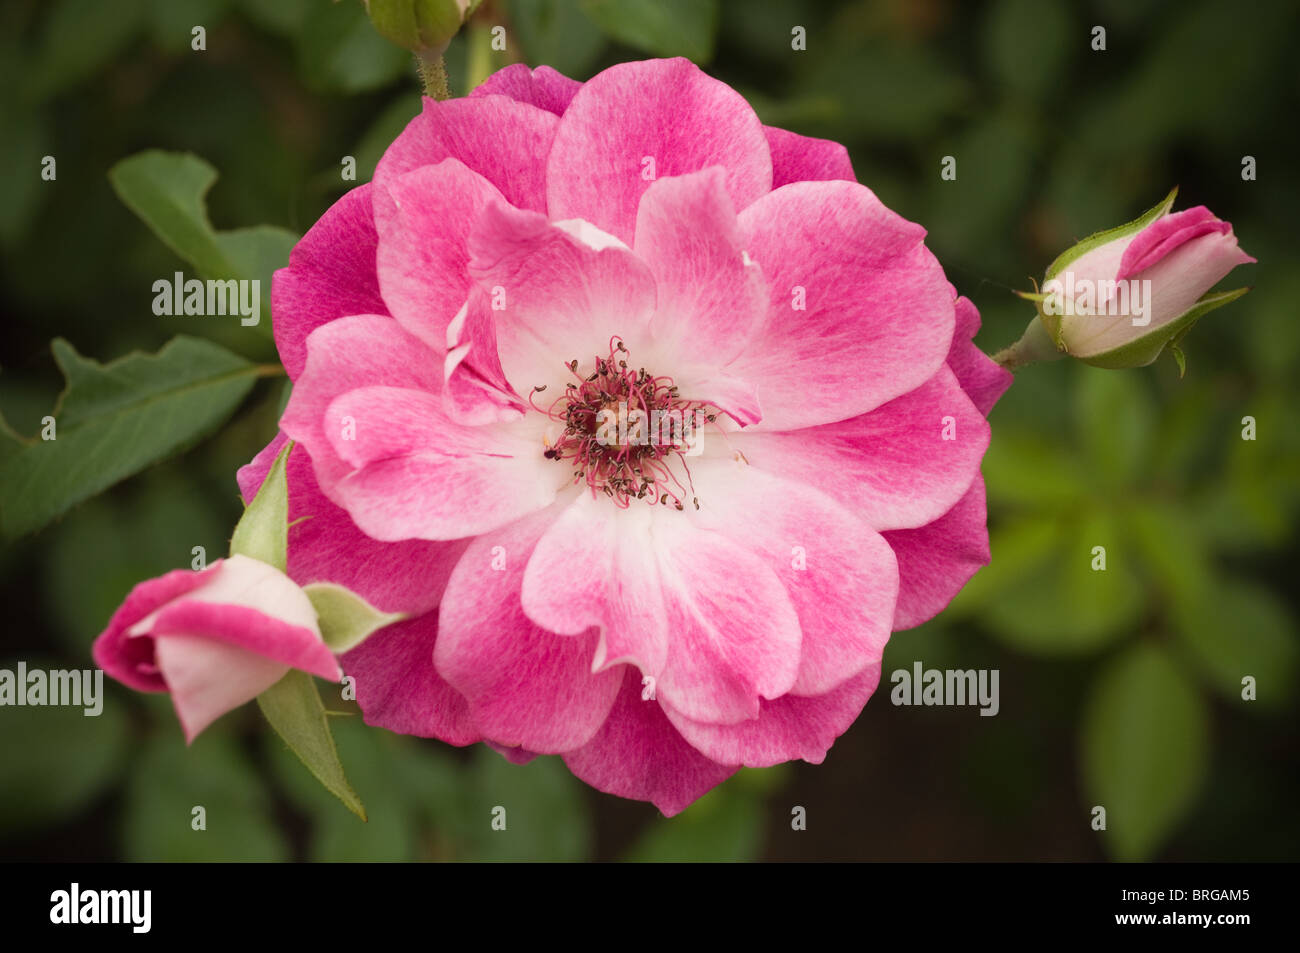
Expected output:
(1119, 688)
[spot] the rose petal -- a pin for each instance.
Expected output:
(637, 753)
(399, 689)
(877, 316)
(797, 158)
(526, 686)
(542, 87)
(901, 465)
(665, 111)
(650, 579)
(331, 273)
(936, 560)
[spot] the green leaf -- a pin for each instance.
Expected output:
(1017, 548)
(293, 707)
(1234, 628)
(1061, 605)
(263, 531)
(1145, 746)
(167, 191)
(1023, 470)
(1115, 420)
(54, 760)
(171, 780)
(113, 420)
(663, 27)
(346, 620)
(1172, 550)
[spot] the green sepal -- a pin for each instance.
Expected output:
(294, 709)
(1142, 351)
(345, 619)
(263, 531)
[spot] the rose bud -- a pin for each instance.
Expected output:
(214, 639)
(1118, 298)
(424, 27)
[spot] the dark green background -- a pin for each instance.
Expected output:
(1119, 688)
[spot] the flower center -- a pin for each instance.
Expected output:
(627, 432)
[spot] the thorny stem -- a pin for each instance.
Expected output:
(434, 75)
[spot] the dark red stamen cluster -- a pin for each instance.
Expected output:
(626, 470)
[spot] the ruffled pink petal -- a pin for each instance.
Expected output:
(331, 273)
(708, 619)
(326, 546)
(1165, 234)
(526, 686)
(936, 560)
(734, 396)
(423, 246)
(797, 158)
(501, 139)
(128, 659)
(414, 473)
(399, 689)
(665, 112)
(895, 466)
(554, 298)
(208, 678)
(250, 630)
(637, 753)
(980, 376)
(542, 87)
(476, 390)
(710, 295)
(788, 727)
(877, 314)
(357, 351)
(839, 573)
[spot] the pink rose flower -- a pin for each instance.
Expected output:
(1118, 303)
(214, 639)
(657, 614)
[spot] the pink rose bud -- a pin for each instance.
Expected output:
(1118, 298)
(214, 639)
